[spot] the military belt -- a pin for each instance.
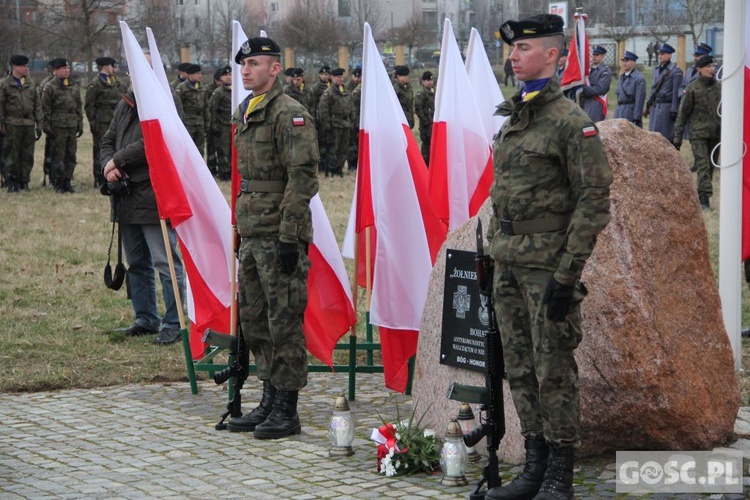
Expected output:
(620, 103)
(663, 101)
(531, 226)
(247, 186)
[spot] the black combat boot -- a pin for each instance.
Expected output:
(526, 484)
(248, 421)
(283, 420)
(68, 187)
(12, 184)
(60, 186)
(558, 480)
(705, 203)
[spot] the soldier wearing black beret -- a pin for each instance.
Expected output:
(181, 75)
(288, 77)
(355, 88)
(404, 92)
(194, 99)
(316, 92)
(424, 107)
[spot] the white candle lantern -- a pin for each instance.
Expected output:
(341, 430)
(453, 456)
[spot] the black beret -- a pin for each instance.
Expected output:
(58, 62)
(19, 60)
(401, 70)
(298, 72)
(427, 75)
(704, 61)
(338, 72)
(289, 71)
(357, 71)
(258, 46)
(182, 66)
(191, 69)
(224, 70)
(105, 61)
(325, 69)
(532, 27)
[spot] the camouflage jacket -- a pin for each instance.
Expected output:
(317, 91)
(406, 99)
(61, 105)
(176, 83)
(301, 95)
(424, 105)
(277, 143)
(101, 98)
(356, 101)
(335, 109)
(194, 104)
(220, 107)
(19, 102)
(549, 161)
(699, 107)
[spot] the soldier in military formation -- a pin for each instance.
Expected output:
(703, 49)
(194, 99)
(277, 158)
(700, 107)
(102, 95)
(221, 123)
(665, 86)
(63, 123)
(47, 139)
(404, 92)
(424, 105)
(288, 75)
(299, 92)
(211, 154)
(324, 81)
(181, 75)
(355, 85)
(548, 208)
(594, 95)
(630, 91)
(335, 112)
(20, 123)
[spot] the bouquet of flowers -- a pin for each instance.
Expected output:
(405, 448)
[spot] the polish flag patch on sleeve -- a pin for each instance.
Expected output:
(298, 121)
(589, 131)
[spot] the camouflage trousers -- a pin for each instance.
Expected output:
(272, 307)
(223, 148)
(538, 354)
(18, 152)
(353, 157)
(339, 149)
(62, 150)
(425, 134)
(198, 135)
(702, 164)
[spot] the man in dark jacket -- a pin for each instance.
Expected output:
(123, 160)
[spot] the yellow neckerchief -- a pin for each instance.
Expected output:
(21, 81)
(65, 82)
(108, 79)
(254, 101)
(432, 90)
(196, 85)
(341, 89)
(530, 95)
(302, 87)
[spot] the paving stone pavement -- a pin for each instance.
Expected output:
(159, 441)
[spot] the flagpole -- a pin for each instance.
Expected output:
(353, 329)
(233, 282)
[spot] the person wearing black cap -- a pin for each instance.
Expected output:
(277, 158)
(594, 95)
(335, 111)
(703, 49)
(665, 94)
(47, 140)
(354, 136)
(62, 111)
(194, 99)
(700, 108)
(550, 200)
(220, 106)
(211, 154)
(356, 79)
(299, 92)
(103, 93)
(181, 75)
(404, 92)
(424, 106)
(630, 91)
(509, 75)
(562, 61)
(20, 123)
(288, 73)
(324, 81)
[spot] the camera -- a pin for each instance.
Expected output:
(118, 187)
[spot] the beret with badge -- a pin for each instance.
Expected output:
(105, 61)
(19, 60)
(427, 75)
(357, 72)
(298, 72)
(58, 62)
(258, 46)
(325, 69)
(337, 72)
(191, 69)
(224, 70)
(401, 70)
(704, 61)
(542, 25)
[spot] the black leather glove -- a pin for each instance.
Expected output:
(288, 257)
(558, 298)
(673, 115)
(79, 131)
(638, 123)
(677, 145)
(38, 133)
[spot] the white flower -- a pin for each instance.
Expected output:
(391, 452)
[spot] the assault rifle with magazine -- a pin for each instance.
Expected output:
(235, 373)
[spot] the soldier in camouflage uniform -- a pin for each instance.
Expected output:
(356, 91)
(299, 92)
(335, 111)
(288, 76)
(20, 122)
(324, 81)
(424, 105)
(102, 95)
(404, 93)
(181, 75)
(47, 139)
(63, 123)
(667, 77)
(221, 123)
(700, 107)
(212, 158)
(277, 158)
(550, 200)
(194, 99)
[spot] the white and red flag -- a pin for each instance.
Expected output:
(187, 195)
(330, 309)
(392, 201)
(460, 154)
(486, 89)
(577, 67)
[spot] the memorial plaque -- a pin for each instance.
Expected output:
(465, 314)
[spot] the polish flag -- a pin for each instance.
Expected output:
(392, 200)
(576, 70)
(187, 195)
(330, 309)
(486, 89)
(460, 155)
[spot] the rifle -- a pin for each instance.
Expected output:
(655, 90)
(236, 373)
(492, 426)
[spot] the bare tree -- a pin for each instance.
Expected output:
(312, 30)
(159, 16)
(227, 11)
(697, 13)
(415, 33)
(364, 11)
